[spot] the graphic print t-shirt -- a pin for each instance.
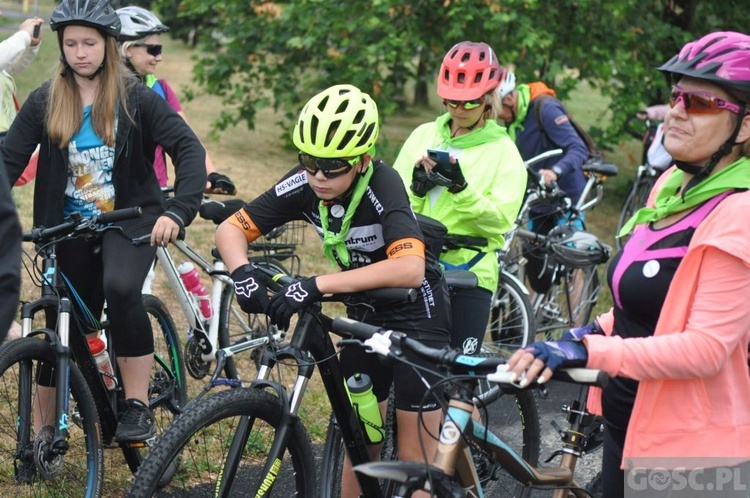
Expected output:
(89, 190)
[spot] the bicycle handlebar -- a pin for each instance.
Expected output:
(390, 343)
(276, 281)
(543, 156)
(79, 225)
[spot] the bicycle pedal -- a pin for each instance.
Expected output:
(141, 444)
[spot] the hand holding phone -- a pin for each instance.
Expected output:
(441, 157)
(37, 28)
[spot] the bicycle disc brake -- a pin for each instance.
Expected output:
(47, 464)
(196, 367)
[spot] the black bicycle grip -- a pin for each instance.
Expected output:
(358, 330)
(119, 215)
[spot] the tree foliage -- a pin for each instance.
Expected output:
(259, 53)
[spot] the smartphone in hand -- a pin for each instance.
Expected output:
(37, 28)
(442, 159)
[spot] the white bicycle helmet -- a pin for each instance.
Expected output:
(507, 85)
(138, 22)
(577, 248)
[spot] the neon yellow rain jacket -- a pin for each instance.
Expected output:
(496, 178)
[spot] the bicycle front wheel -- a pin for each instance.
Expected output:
(27, 421)
(511, 324)
(514, 418)
(201, 439)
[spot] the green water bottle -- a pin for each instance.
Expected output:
(365, 404)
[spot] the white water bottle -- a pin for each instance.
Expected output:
(103, 363)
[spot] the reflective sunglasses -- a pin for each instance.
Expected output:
(151, 49)
(468, 105)
(701, 102)
(331, 167)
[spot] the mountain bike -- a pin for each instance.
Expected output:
(451, 472)
(57, 414)
(252, 439)
(228, 327)
(575, 284)
(514, 415)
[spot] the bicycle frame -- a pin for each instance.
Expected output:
(451, 471)
(67, 347)
(311, 338)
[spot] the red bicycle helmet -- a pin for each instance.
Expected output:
(469, 71)
(722, 58)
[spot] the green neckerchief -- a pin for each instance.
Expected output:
(490, 132)
(524, 99)
(335, 242)
(150, 80)
(668, 201)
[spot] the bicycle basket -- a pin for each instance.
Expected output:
(282, 241)
(577, 248)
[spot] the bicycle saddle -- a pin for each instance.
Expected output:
(599, 166)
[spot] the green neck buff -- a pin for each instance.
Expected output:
(668, 201)
(524, 98)
(150, 80)
(333, 244)
(490, 132)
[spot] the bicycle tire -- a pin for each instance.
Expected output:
(168, 392)
(200, 437)
(511, 324)
(559, 309)
(80, 472)
(635, 200)
(514, 418)
(237, 326)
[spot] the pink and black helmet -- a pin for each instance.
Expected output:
(469, 71)
(723, 58)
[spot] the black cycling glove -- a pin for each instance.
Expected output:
(420, 184)
(291, 299)
(221, 183)
(250, 289)
(452, 179)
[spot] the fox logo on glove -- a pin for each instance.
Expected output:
(296, 292)
(246, 287)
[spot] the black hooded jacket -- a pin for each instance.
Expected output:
(135, 183)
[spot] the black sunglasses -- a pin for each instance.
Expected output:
(331, 167)
(151, 49)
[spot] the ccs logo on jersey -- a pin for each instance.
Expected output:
(239, 215)
(400, 247)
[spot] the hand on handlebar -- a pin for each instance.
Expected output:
(165, 230)
(549, 176)
(544, 358)
(291, 299)
(250, 289)
(216, 183)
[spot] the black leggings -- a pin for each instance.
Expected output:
(613, 477)
(112, 270)
(470, 312)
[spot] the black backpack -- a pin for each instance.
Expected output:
(594, 151)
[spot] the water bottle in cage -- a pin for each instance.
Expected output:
(192, 281)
